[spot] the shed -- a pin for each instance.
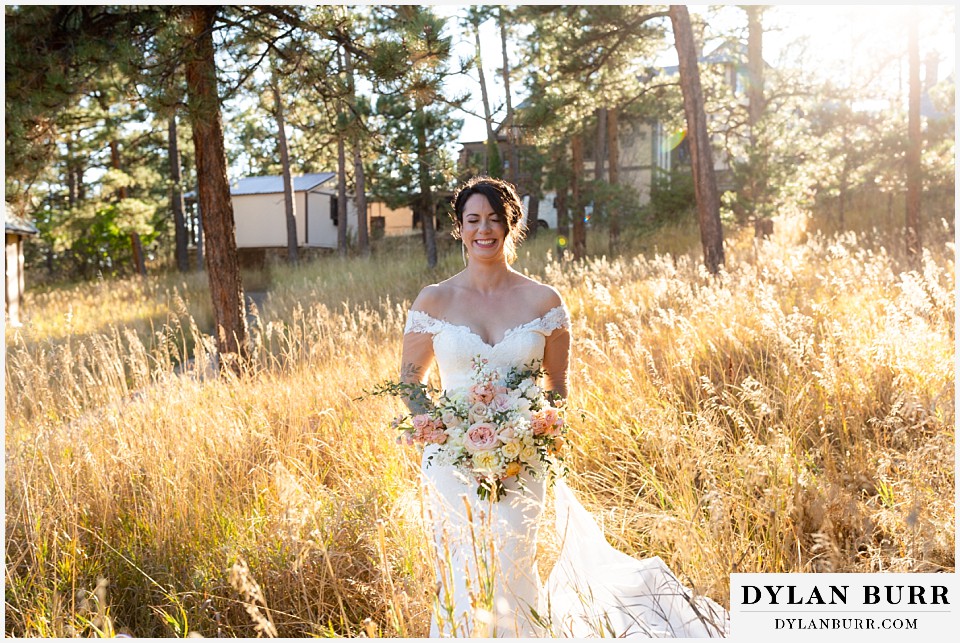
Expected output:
(258, 211)
(16, 229)
(260, 218)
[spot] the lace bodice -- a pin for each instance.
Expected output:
(455, 345)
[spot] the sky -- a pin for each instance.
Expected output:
(839, 39)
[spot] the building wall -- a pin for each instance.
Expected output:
(13, 273)
(396, 221)
(321, 233)
(261, 221)
(643, 148)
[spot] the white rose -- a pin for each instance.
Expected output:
(478, 413)
(528, 453)
(450, 419)
(454, 440)
(487, 462)
(445, 457)
(511, 449)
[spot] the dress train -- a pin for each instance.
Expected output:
(596, 590)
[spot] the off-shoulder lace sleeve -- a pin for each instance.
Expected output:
(556, 318)
(421, 322)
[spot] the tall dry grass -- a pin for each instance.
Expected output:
(794, 414)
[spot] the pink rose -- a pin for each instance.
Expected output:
(435, 435)
(481, 437)
(426, 430)
(500, 403)
(420, 422)
(483, 392)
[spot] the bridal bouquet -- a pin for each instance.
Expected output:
(499, 425)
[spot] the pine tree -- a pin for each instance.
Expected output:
(417, 124)
(705, 182)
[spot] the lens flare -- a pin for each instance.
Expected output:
(562, 241)
(671, 142)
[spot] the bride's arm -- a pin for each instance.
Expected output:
(417, 357)
(415, 364)
(556, 355)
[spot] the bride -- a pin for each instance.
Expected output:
(488, 582)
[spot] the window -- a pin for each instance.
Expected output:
(334, 210)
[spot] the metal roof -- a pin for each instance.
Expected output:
(19, 225)
(273, 184)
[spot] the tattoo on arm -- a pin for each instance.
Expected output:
(417, 399)
(410, 372)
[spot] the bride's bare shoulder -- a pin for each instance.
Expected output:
(547, 297)
(433, 298)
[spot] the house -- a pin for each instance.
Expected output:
(16, 229)
(259, 212)
(646, 146)
(730, 60)
(644, 151)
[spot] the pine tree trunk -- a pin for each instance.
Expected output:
(533, 216)
(71, 176)
(289, 201)
(511, 133)
(76, 171)
(363, 235)
(758, 171)
(485, 99)
(136, 245)
(223, 268)
(201, 262)
(579, 228)
(176, 197)
(754, 68)
(341, 195)
(563, 218)
(426, 192)
(914, 144)
(81, 186)
(842, 198)
(704, 178)
(563, 221)
(600, 146)
(613, 149)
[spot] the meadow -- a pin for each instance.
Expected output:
(794, 414)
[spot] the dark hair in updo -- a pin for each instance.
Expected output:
(503, 199)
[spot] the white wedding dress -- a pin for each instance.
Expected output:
(486, 551)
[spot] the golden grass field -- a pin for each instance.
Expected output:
(795, 414)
